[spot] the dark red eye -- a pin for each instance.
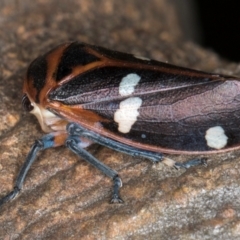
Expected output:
(27, 106)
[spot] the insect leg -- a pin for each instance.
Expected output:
(74, 144)
(192, 163)
(77, 130)
(45, 142)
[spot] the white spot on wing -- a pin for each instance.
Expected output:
(216, 137)
(127, 113)
(128, 84)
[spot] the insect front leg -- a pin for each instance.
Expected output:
(47, 141)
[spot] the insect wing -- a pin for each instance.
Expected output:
(144, 103)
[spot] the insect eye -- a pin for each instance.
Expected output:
(27, 106)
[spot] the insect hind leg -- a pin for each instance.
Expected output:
(77, 130)
(192, 163)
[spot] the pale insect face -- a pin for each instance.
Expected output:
(49, 121)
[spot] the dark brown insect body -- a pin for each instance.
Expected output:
(82, 93)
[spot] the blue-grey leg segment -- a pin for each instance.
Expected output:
(73, 143)
(46, 141)
(77, 130)
(192, 163)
